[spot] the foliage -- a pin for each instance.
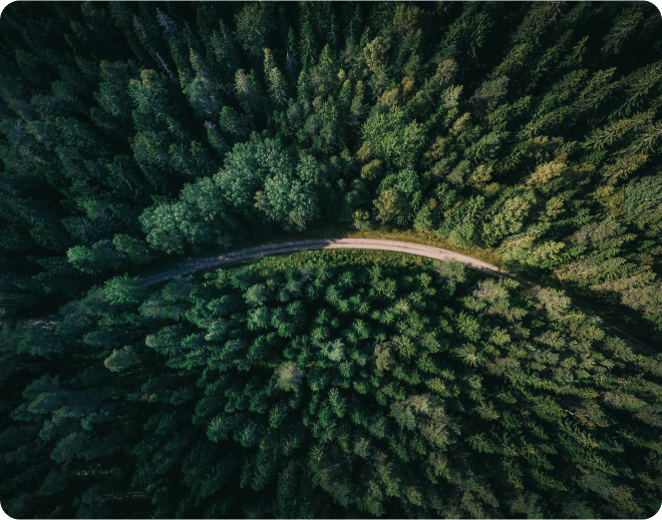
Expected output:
(130, 132)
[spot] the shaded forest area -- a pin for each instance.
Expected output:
(129, 131)
(330, 385)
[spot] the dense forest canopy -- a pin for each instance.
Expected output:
(129, 131)
(330, 384)
(327, 385)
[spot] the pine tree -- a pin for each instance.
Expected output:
(202, 95)
(147, 34)
(307, 45)
(488, 96)
(121, 360)
(216, 140)
(170, 29)
(351, 21)
(291, 55)
(275, 80)
(389, 135)
(247, 91)
(136, 249)
(99, 258)
(124, 290)
(254, 23)
(224, 49)
(33, 69)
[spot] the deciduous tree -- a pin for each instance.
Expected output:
(391, 136)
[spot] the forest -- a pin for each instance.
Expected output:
(330, 384)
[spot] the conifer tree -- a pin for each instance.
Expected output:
(307, 45)
(225, 51)
(275, 80)
(130, 132)
(291, 54)
(247, 91)
(254, 23)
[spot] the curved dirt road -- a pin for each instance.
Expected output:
(304, 245)
(437, 253)
(184, 268)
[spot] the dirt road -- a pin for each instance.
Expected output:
(304, 245)
(184, 268)
(209, 262)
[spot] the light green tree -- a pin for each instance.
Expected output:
(122, 359)
(508, 216)
(287, 201)
(99, 258)
(400, 198)
(288, 376)
(390, 135)
(489, 95)
(124, 289)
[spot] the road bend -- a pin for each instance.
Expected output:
(209, 262)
